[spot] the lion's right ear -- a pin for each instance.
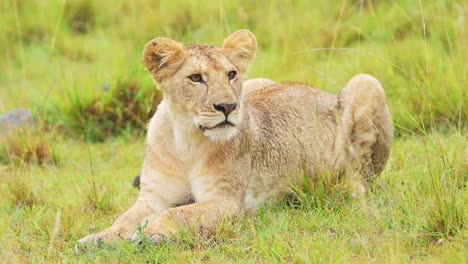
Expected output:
(162, 57)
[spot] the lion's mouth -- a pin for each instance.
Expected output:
(220, 125)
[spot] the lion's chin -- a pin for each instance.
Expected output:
(222, 133)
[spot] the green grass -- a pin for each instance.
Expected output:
(416, 211)
(57, 56)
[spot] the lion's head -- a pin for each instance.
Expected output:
(202, 81)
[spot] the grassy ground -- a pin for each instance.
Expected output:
(59, 58)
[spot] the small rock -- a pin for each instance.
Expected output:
(105, 86)
(16, 118)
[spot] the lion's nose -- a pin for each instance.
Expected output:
(225, 108)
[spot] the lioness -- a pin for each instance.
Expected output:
(218, 146)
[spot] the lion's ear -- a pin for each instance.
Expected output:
(162, 57)
(240, 48)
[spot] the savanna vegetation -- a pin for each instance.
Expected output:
(76, 64)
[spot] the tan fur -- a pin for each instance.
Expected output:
(277, 131)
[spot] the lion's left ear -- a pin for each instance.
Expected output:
(240, 48)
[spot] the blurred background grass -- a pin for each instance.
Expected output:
(60, 58)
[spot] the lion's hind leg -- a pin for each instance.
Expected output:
(365, 129)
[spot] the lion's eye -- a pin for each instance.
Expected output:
(196, 78)
(231, 75)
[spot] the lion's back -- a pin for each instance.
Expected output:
(298, 99)
(292, 120)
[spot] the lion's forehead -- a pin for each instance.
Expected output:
(207, 57)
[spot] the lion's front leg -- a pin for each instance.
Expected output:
(158, 193)
(219, 193)
(125, 225)
(196, 217)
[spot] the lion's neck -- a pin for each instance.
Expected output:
(188, 141)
